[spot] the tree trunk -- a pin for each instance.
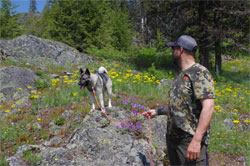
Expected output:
(218, 56)
(204, 49)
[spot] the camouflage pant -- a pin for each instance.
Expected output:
(177, 151)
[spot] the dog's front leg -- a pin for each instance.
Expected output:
(101, 100)
(92, 100)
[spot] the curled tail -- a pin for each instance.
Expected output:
(102, 70)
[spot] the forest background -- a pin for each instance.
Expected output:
(135, 27)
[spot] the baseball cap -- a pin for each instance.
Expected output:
(184, 41)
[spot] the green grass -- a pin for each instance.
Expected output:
(58, 95)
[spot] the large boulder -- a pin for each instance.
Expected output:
(99, 142)
(13, 78)
(38, 51)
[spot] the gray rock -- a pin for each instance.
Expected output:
(99, 143)
(37, 51)
(229, 124)
(165, 82)
(16, 161)
(55, 141)
(12, 78)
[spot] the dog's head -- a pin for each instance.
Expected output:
(85, 79)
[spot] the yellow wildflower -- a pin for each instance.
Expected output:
(20, 89)
(58, 89)
(7, 111)
(75, 94)
(13, 106)
(236, 121)
(29, 87)
(119, 80)
(35, 97)
(235, 110)
(217, 107)
(34, 92)
(129, 71)
(38, 119)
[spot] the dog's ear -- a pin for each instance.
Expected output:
(81, 71)
(87, 72)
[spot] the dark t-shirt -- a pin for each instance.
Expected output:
(188, 88)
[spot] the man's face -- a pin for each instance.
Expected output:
(176, 53)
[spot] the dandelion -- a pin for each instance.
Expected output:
(235, 110)
(19, 109)
(29, 87)
(75, 94)
(236, 121)
(129, 71)
(13, 106)
(20, 89)
(7, 111)
(18, 103)
(33, 92)
(217, 107)
(39, 119)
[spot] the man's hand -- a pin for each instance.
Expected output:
(193, 151)
(151, 113)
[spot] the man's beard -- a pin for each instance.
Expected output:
(176, 60)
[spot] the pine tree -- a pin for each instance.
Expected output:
(8, 25)
(32, 8)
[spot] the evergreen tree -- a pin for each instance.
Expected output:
(32, 8)
(8, 25)
(88, 23)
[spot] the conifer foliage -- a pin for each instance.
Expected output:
(88, 23)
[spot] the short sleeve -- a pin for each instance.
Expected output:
(203, 85)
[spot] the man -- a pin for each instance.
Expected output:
(190, 107)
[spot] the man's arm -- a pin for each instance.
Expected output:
(154, 112)
(163, 110)
(193, 151)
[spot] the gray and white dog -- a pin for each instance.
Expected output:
(99, 82)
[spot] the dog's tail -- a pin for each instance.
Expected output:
(102, 70)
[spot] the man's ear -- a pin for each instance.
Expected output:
(81, 71)
(87, 72)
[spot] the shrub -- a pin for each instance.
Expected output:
(145, 57)
(108, 53)
(31, 158)
(41, 84)
(59, 121)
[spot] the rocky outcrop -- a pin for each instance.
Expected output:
(99, 142)
(38, 51)
(13, 78)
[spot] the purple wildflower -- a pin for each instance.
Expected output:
(135, 112)
(117, 127)
(125, 102)
(138, 123)
(123, 126)
(138, 128)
